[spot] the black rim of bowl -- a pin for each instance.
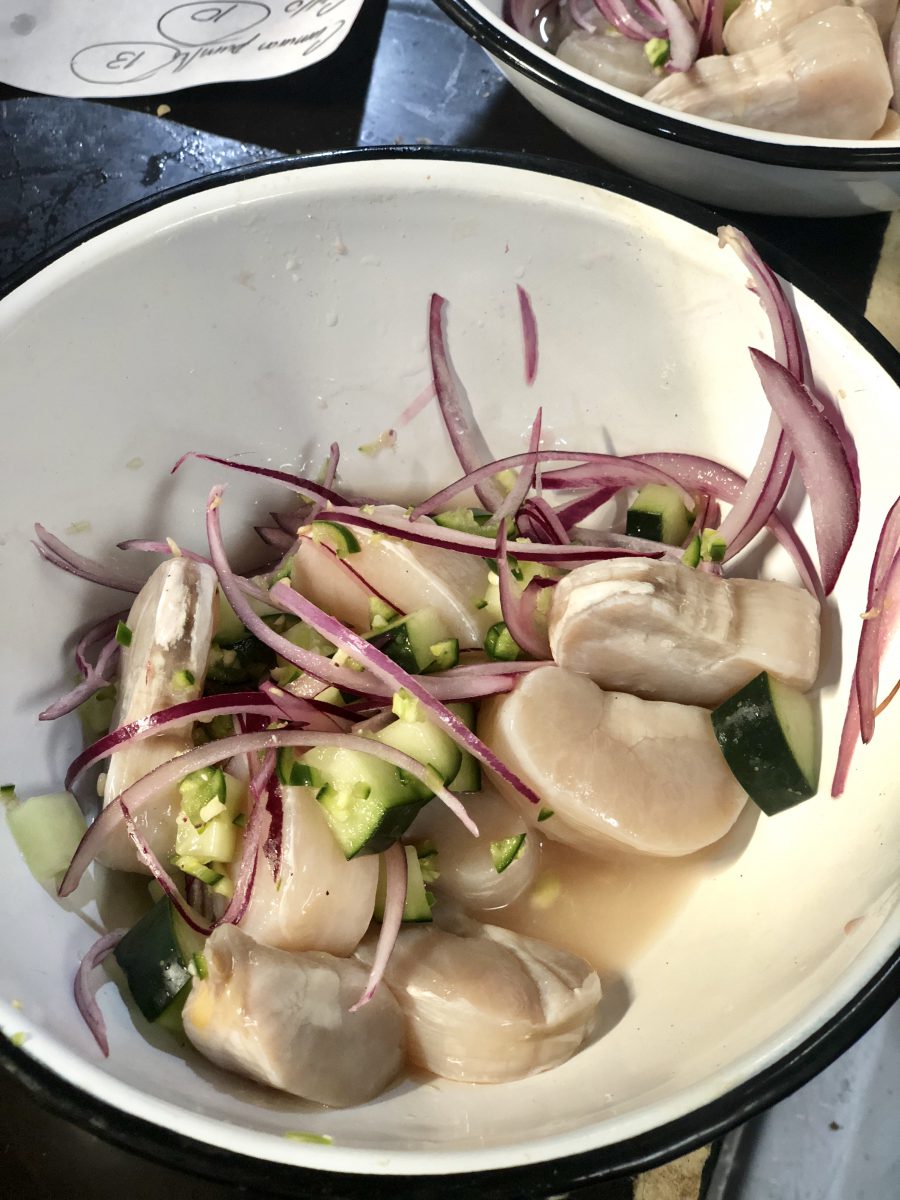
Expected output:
(726, 139)
(635, 1154)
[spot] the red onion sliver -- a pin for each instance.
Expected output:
(882, 603)
(256, 833)
(850, 731)
(310, 713)
(84, 997)
(608, 470)
(97, 633)
(396, 872)
(60, 555)
(521, 626)
(146, 546)
(227, 704)
(710, 30)
(465, 434)
(525, 480)
(821, 460)
(707, 475)
(383, 667)
(760, 496)
(582, 507)
(622, 20)
(97, 678)
(173, 771)
(296, 483)
(554, 530)
(413, 409)
(787, 336)
(429, 534)
(314, 664)
(274, 536)
(529, 335)
(683, 41)
(159, 872)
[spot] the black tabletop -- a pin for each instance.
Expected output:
(405, 74)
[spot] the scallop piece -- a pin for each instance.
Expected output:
(666, 631)
(826, 77)
(284, 1020)
(407, 574)
(641, 775)
(611, 58)
(758, 22)
(171, 623)
(485, 1005)
(467, 874)
(322, 901)
(882, 12)
(890, 130)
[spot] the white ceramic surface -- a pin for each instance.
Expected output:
(725, 165)
(265, 318)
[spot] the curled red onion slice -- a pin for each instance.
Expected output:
(296, 483)
(546, 521)
(429, 534)
(465, 434)
(383, 667)
(84, 997)
(396, 873)
(617, 14)
(172, 772)
(683, 41)
(519, 618)
(525, 480)
(158, 871)
(606, 470)
(821, 460)
(102, 631)
(55, 551)
(529, 335)
(97, 677)
(227, 704)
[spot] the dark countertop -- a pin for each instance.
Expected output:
(405, 74)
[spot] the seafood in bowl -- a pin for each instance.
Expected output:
(590, 921)
(816, 69)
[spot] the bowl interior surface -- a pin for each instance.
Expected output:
(264, 319)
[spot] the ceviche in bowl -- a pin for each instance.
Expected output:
(450, 735)
(777, 106)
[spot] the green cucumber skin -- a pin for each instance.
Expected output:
(644, 525)
(750, 736)
(360, 837)
(153, 962)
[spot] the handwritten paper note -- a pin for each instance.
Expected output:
(101, 48)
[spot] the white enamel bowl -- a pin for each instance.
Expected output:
(720, 164)
(264, 317)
